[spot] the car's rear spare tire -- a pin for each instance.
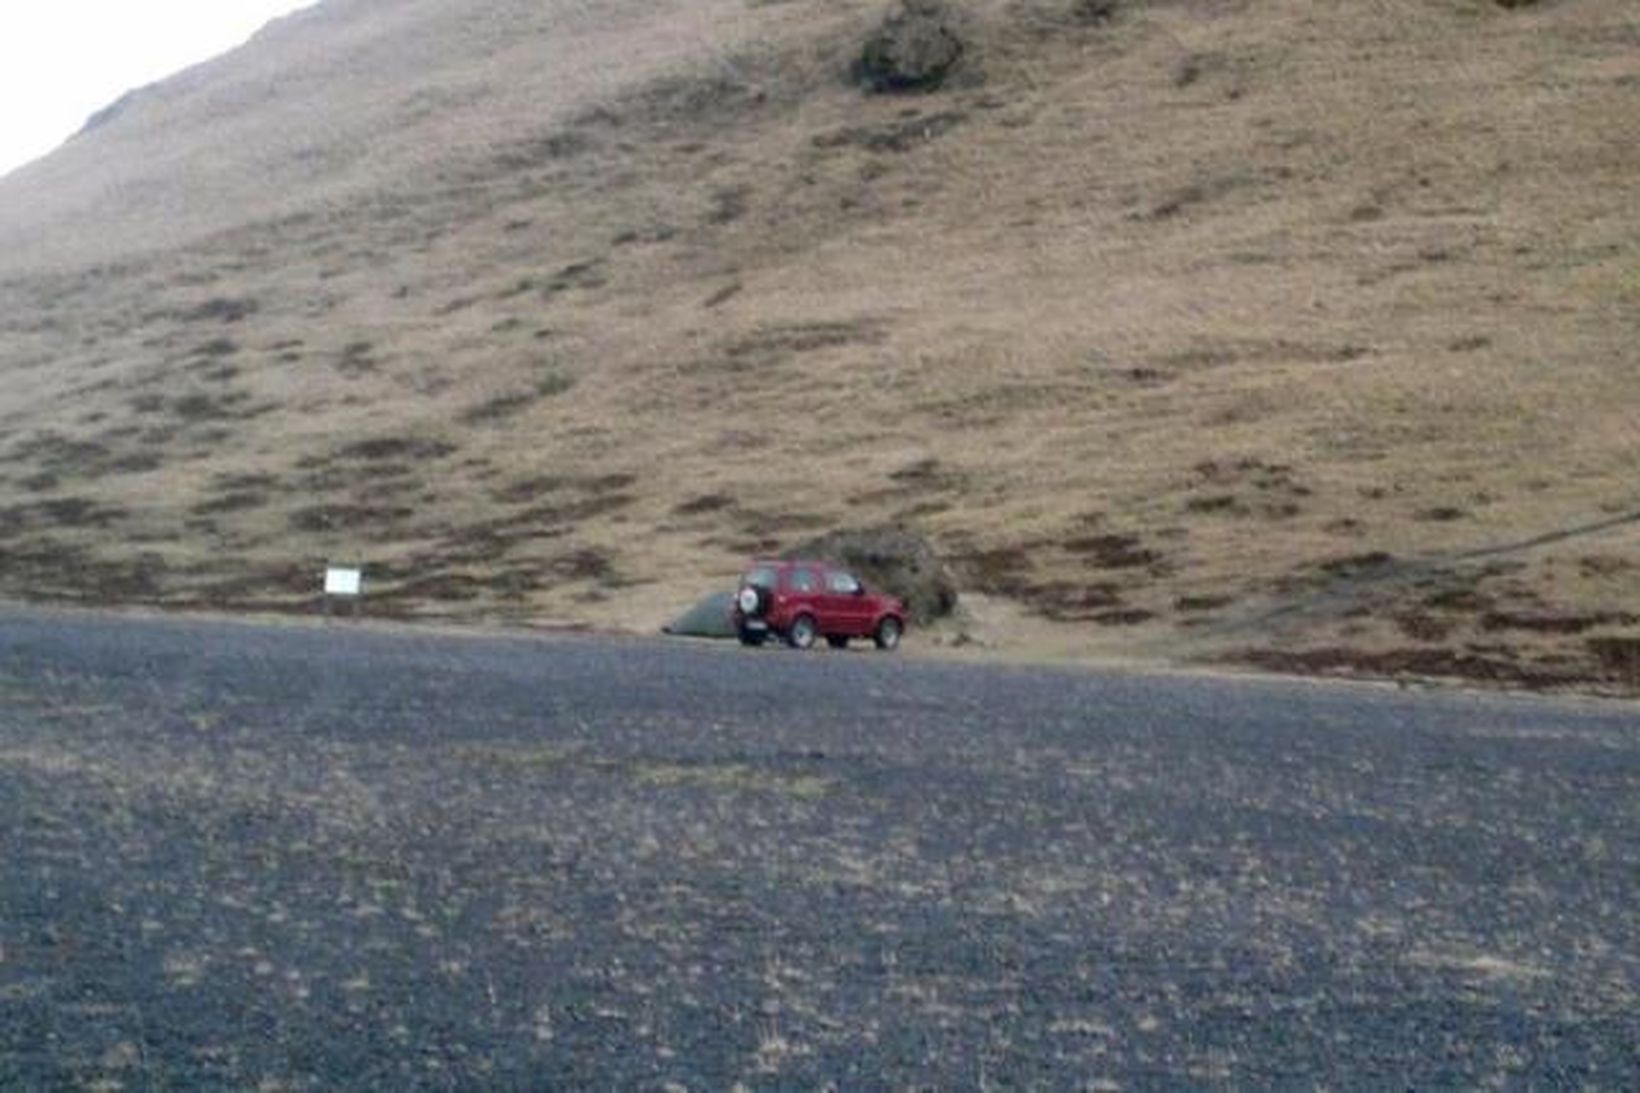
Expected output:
(752, 601)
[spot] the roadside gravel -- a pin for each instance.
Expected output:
(238, 855)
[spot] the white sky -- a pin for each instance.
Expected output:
(63, 60)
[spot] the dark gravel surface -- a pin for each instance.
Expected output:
(241, 856)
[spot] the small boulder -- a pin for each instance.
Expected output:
(914, 49)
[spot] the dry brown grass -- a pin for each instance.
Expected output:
(1246, 290)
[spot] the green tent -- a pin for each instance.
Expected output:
(710, 618)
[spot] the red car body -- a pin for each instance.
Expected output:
(800, 601)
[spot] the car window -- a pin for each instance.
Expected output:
(842, 583)
(761, 577)
(804, 580)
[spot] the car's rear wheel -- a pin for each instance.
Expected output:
(888, 633)
(837, 641)
(803, 632)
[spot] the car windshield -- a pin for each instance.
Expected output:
(761, 577)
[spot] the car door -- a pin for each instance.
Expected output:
(807, 594)
(846, 603)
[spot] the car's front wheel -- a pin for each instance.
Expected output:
(803, 632)
(888, 633)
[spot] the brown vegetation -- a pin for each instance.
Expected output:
(667, 286)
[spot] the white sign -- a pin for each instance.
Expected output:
(343, 581)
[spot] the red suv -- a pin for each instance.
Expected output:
(802, 601)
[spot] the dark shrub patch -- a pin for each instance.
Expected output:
(197, 407)
(499, 407)
(72, 512)
(356, 358)
(553, 383)
(1069, 602)
(1001, 570)
(217, 347)
(252, 481)
(1420, 627)
(1219, 502)
(135, 463)
(711, 502)
(530, 488)
(586, 564)
(771, 344)
(40, 483)
(571, 512)
(1549, 623)
(1093, 11)
(1619, 657)
(1131, 616)
(923, 472)
(722, 295)
(1501, 668)
(773, 523)
(899, 562)
(1203, 603)
(1357, 565)
(728, 205)
(346, 517)
(1458, 599)
(231, 502)
(220, 309)
(1112, 551)
(619, 480)
(576, 275)
(1604, 565)
(396, 447)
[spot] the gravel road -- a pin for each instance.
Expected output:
(307, 857)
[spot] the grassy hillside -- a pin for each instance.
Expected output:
(1293, 331)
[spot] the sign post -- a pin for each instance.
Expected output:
(346, 583)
